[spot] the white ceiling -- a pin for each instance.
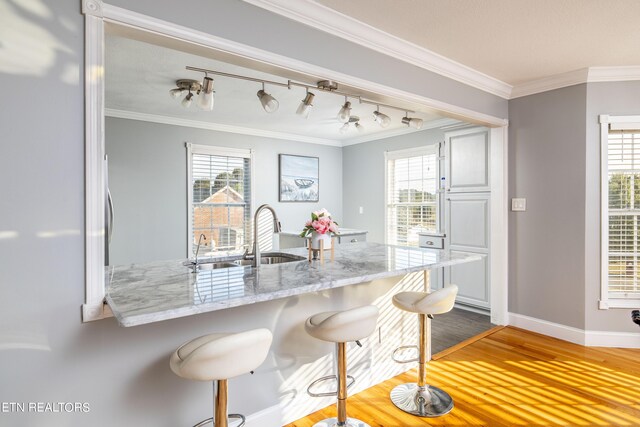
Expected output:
(515, 41)
(139, 76)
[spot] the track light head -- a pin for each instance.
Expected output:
(205, 99)
(412, 122)
(186, 102)
(306, 105)
(345, 112)
(269, 103)
(382, 119)
(176, 93)
(344, 128)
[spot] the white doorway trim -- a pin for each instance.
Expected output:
(97, 13)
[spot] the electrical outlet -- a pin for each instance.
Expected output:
(518, 205)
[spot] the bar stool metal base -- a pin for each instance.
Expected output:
(427, 401)
(210, 420)
(333, 422)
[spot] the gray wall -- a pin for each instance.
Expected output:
(363, 178)
(616, 98)
(147, 163)
(46, 353)
(546, 243)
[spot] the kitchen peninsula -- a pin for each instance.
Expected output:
(162, 290)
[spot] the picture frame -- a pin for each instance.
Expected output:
(299, 178)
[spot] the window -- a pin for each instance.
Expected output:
(620, 211)
(220, 199)
(412, 204)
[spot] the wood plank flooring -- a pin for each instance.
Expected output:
(513, 377)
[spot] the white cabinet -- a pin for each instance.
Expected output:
(467, 165)
(467, 212)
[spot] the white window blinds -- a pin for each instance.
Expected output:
(411, 195)
(220, 193)
(623, 178)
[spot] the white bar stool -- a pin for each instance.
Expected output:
(422, 399)
(218, 357)
(341, 327)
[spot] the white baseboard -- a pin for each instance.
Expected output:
(544, 327)
(612, 339)
(575, 335)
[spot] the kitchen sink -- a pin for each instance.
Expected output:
(239, 261)
(272, 258)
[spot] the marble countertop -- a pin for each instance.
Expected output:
(343, 232)
(161, 290)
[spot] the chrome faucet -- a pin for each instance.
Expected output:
(276, 229)
(195, 262)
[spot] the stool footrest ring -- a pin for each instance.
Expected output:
(405, 347)
(350, 382)
(210, 420)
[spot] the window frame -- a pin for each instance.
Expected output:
(216, 151)
(431, 149)
(608, 122)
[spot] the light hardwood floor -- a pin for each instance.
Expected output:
(513, 377)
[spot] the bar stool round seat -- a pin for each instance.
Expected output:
(341, 327)
(420, 398)
(218, 357)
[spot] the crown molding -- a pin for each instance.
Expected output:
(402, 131)
(545, 84)
(335, 23)
(613, 74)
(583, 75)
(166, 120)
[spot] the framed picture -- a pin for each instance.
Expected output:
(299, 178)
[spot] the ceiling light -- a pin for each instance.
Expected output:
(269, 103)
(185, 86)
(305, 105)
(345, 112)
(186, 102)
(176, 93)
(205, 99)
(359, 127)
(382, 119)
(344, 128)
(413, 122)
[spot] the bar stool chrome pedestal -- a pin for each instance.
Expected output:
(422, 399)
(218, 357)
(341, 327)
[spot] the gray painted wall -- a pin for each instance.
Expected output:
(363, 179)
(615, 98)
(46, 353)
(546, 243)
(148, 167)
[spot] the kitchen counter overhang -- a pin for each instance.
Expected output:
(161, 290)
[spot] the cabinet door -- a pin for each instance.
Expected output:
(467, 163)
(468, 230)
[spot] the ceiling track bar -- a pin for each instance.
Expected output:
(291, 83)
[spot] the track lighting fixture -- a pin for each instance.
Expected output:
(382, 119)
(412, 122)
(305, 105)
(269, 103)
(188, 87)
(345, 112)
(356, 122)
(205, 99)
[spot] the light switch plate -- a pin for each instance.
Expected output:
(518, 205)
(361, 210)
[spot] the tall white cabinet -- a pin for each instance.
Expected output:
(467, 212)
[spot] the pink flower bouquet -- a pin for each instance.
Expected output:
(320, 223)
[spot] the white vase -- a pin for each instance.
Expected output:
(317, 237)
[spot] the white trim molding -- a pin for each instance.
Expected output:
(335, 23)
(156, 118)
(577, 336)
(576, 77)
